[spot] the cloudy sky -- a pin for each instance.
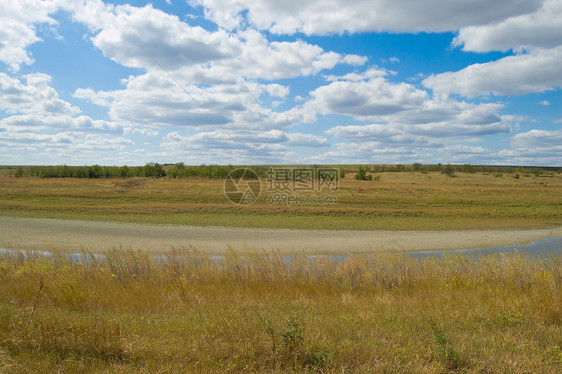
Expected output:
(292, 81)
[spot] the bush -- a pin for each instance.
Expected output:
(448, 170)
(361, 174)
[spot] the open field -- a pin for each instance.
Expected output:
(254, 312)
(95, 236)
(398, 201)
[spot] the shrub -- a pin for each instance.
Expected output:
(361, 174)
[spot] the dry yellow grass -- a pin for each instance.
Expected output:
(256, 312)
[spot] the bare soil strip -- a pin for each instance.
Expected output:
(71, 235)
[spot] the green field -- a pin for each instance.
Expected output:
(398, 201)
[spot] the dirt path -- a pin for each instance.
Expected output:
(39, 233)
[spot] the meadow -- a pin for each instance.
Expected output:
(131, 312)
(396, 201)
(182, 310)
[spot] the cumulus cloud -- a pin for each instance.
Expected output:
(153, 99)
(533, 145)
(413, 110)
(461, 149)
(144, 37)
(338, 16)
(536, 71)
(244, 146)
(534, 36)
(252, 143)
(366, 100)
(35, 96)
(18, 28)
(277, 90)
(152, 39)
(235, 77)
(540, 29)
(43, 127)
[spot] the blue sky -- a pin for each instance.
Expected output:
(269, 82)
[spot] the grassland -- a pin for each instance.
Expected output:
(255, 312)
(398, 201)
(132, 312)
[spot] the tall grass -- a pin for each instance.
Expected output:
(263, 312)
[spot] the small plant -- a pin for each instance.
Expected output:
(446, 349)
(317, 360)
(292, 334)
(507, 319)
(288, 338)
(516, 176)
(555, 352)
(498, 174)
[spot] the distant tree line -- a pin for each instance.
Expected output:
(154, 170)
(180, 170)
(449, 169)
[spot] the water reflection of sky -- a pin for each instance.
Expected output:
(535, 249)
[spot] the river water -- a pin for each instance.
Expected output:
(536, 249)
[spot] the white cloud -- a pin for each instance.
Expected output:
(538, 139)
(242, 146)
(250, 143)
(370, 152)
(460, 149)
(153, 99)
(536, 71)
(402, 105)
(544, 103)
(528, 147)
(151, 39)
(140, 131)
(381, 135)
(18, 28)
(305, 140)
(135, 37)
(542, 29)
(338, 16)
(35, 96)
(277, 90)
(38, 122)
(356, 77)
(366, 100)
(34, 105)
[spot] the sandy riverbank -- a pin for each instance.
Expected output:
(39, 233)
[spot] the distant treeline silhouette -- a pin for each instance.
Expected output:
(180, 170)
